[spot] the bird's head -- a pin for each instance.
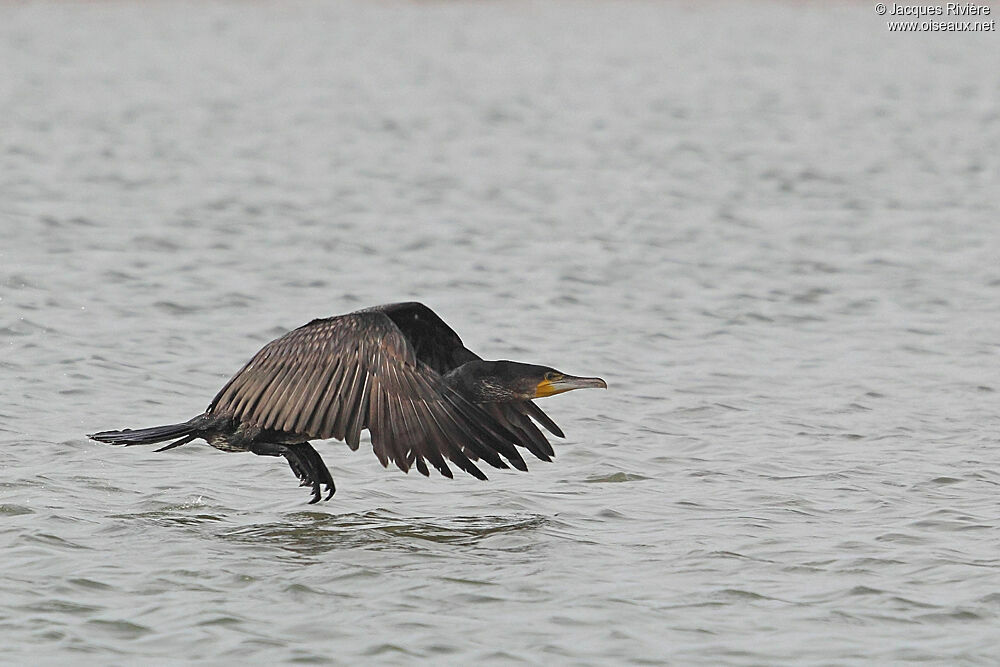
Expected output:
(497, 381)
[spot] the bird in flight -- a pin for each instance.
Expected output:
(396, 370)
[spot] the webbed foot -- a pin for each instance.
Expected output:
(305, 462)
(309, 467)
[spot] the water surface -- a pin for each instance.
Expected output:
(771, 227)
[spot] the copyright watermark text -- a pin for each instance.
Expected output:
(957, 17)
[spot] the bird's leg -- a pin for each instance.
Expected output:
(304, 461)
(310, 459)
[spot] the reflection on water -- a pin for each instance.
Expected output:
(311, 533)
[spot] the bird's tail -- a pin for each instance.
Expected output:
(147, 436)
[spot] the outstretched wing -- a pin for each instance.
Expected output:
(334, 377)
(437, 345)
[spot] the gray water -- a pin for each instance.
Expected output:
(773, 228)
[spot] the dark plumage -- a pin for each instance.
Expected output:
(397, 370)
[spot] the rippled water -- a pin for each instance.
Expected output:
(772, 228)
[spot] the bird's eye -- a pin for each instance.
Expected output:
(550, 376)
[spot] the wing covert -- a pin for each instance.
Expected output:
(434, 342)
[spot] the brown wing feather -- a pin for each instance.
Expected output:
(332, 378)
(514, 416)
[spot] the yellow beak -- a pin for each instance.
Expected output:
(567, 383)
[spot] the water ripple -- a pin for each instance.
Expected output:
(772, 238)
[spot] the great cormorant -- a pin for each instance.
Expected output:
(397, 370)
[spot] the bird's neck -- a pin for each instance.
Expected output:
(478, 382)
